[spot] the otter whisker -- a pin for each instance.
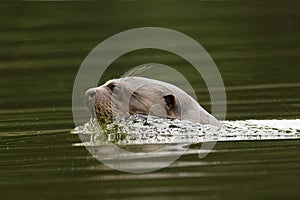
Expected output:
(137, 71)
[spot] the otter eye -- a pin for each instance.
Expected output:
(114, 88)
(111, 86)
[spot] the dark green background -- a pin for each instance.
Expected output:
(255, 44)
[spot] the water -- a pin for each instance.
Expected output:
(140, 129)
(255, 44)
(141, 144)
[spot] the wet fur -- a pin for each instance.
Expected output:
(117, 97)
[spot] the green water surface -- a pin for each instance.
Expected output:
(255, 44)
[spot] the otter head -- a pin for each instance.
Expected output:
(131, 95)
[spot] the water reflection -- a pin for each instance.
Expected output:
(142, 147)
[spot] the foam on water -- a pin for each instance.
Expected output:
(140, 129)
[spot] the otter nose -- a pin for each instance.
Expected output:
(91, 93)
(90, 96)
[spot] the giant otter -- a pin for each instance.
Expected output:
(138, 95)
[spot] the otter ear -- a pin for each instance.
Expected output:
(170, 100)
